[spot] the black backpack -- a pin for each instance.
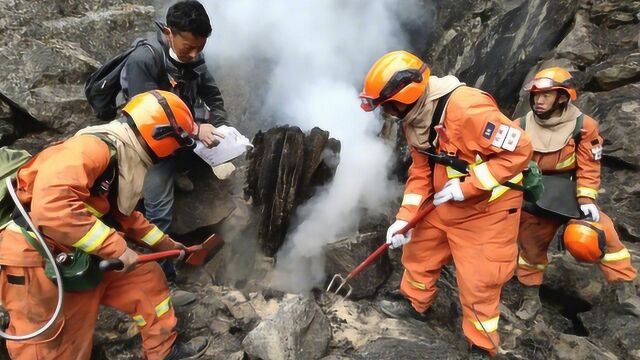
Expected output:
(103, 85)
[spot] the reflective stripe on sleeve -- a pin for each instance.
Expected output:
(411, 199)
(500, 190)
(485, 177)
(163, 307)
(490, 325)
(94, 237)
(616, 256)
(153, 236)
(93, 210)
(522, 262)
(586, 192)
(453, 173)
(566, 162)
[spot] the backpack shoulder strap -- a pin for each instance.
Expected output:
(109, 178)
(577, 131)
(437, 115)
(523, 122)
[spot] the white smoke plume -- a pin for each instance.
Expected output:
(320, 52)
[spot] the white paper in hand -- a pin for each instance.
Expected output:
(233, 145)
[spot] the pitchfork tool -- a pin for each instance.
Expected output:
(196, 254)
(341, 282)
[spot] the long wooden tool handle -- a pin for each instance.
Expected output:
(416, 219)
(371, 258)
(115, 264)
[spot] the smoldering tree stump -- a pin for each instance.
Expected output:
(285, 167)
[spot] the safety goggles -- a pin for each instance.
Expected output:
(547, 84)
(172, 129)
(398, 81)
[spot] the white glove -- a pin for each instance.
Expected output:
(398, 240)
(590, 211)
(450, 191)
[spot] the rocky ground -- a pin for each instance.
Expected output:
(46, 54)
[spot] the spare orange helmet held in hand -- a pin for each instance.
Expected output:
(554, 78)
(163, 120)
(585, 240)
(399, 76)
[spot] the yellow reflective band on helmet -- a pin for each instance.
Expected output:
(586, 192)
(94, 237)
(490, 325)
(139, 320)
(411, 199)
(500, 190)
(153, 236)
(522, 262)
(93, 210)
(163, 307)
(416, 284)
(485, 177)
(566, 162)
(616, 256)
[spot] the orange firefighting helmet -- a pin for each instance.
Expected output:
(585, 240)
(554, 78)
(399, 76)
(163, 119)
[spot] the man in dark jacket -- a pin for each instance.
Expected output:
(174, 62)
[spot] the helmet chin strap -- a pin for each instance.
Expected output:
(557, 105)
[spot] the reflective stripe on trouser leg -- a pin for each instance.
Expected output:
(616, 264)
(422, 258)
(485, 254)
(143, 291)
(534, 237)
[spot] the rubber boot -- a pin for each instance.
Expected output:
(192, 349)
(531, 304)
(627, 297)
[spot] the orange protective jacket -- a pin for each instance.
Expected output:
(585, 161)
(477, 132)
(55, 185)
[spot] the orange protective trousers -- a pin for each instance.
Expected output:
(483, 248)
(30, 298)
(536, 233)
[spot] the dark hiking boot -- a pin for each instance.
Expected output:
(192, 349)
(627, 297)
(402, 309)
(476, 353)
(180, 297)
(531, 304)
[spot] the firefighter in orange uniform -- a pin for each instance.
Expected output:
(476, 219)
(566, 143)
(72, 193)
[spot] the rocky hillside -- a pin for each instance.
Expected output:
(50, 46)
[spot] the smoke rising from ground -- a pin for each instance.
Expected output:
(319, 53)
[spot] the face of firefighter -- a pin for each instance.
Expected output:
(395, 108)
(545, 100)
(185, 45)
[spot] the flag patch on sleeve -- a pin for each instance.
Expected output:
(488, 130)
